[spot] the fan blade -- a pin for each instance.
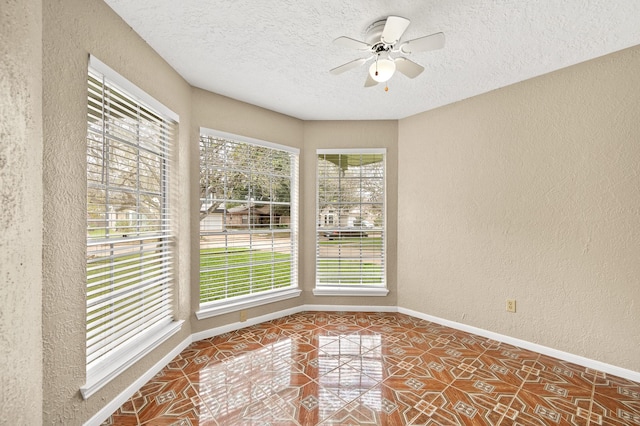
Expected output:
(351, 43)
(394, 28)
(422, 44)
(408, 68)
(370, 82)
(348, 66)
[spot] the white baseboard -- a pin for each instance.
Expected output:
(212, 332)
(555, 353)
(349, 308)
(112, 406)
(105, 412)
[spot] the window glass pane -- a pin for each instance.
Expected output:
(129, 257)
(247, 232)
(350, 219)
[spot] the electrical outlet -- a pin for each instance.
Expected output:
(243, 316)
(511, 305)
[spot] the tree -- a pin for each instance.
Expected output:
(125, 164)
(349, 182)
(238, 173)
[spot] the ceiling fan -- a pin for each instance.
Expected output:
(383, 43)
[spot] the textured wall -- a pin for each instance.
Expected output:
(71, 30)
(347, 134)
(530, 192)
(20, 212)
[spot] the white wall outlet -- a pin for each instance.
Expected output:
(511, 305)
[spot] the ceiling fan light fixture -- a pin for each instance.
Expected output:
(382, 70)
(381, 39)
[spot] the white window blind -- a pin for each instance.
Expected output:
(129, 241)
(350, 218)
(248, 218)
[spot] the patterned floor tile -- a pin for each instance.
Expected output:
(478, 385)
(561, 373)
(505, 370)
(404, 365)
(175, 400)
(347, 383)
(416, 404)
(125, 416)
(476, 407)
(422, 388)
(315, 403)
(619, 388)
(556, 388)
(552, 409)
(615, 411)
(505, 351)
(297, 327)
(378, 406)
(373, 368)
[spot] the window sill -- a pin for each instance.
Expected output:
(225, 306)
(350, 291)
(107, 370)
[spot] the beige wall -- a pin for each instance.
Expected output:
(530, 192)
(72, 30)
(336, 135)
(20, 212)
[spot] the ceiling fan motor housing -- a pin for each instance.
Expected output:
(373, 35)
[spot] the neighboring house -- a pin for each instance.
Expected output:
(123, 220)
(211, 220)
(328, 217)
(241, 217)
(331, 217)
(115, 220)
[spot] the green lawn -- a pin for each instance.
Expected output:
(102, 280)
(366, 242)
(128, 273)
(352, 272)
(234, 272)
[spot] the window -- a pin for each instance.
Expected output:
(129, 241)
(248, 222)
(350, 247)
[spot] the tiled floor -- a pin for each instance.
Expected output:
(373, 369)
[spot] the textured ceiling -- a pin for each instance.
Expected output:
(277, 54)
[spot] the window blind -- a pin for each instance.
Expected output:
(129, 241)
(248, 218)
(350, 218)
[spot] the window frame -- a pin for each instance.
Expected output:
(351, 289)
(104, 368)
(236, 303)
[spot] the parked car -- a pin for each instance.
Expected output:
(348, 232)
(362, 224)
